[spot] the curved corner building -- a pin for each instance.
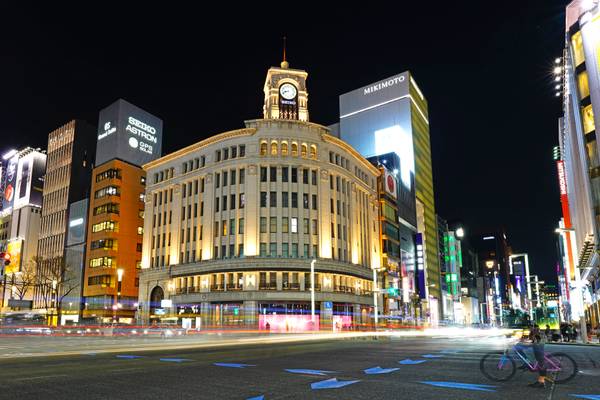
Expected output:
(233, 222)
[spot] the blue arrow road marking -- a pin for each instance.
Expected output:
(379, 370)
(408, 361)
(332, 383)
(587, 396)
(459, 385)
(177, 360)
(309, 371)
(432, 356)
(233, 365)
(128, 356)
(261, 397)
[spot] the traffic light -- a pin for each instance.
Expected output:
(6, 257)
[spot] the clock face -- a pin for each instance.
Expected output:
(288, 91)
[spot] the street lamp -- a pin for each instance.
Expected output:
(117, 304)
(312, 291)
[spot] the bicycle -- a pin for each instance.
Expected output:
(501, 366)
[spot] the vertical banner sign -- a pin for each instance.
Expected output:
(389, 183)
(11, 182)
(420, 266)
(14, 248)
(564, 201)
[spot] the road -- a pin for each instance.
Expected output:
(192, 373)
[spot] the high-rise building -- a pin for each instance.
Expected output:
(232, 224)
(391, 116)
(67, 180)
(127, 138)
(21, 212)
(578, 160)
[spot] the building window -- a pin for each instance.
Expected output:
(273, 148)
(294, 200)
(313, 177)
(305, 201)
(294, 149)
(305, 176)
(263, 224)
(263, 199)
(107, 191)
(263, 174)
(273, 249)
(233, 176)
(224, 226)
(110, 226)
(263, 148)
(233, 152)
(242, 200)
(304, 150)
(273, 225)
(216, 228)
(217, 180)
(242, 150)
(305, 251)
(285, 199)
(314, 226)
(294, 175)
(272, 174)
(295, 250)
(224, 178)
(314, 201)
(103, 262)
(273, 199)
(232, 226)
(225, 154)
(263, 250)
(108, 174)
(218, 155)
(285, 251)
(285, 174)
(313, 151)
(241, 250)
(242, 176)
(232, 202)
(285, 225)
(294, 225)
(284, 148)
(241, 226)
(216, 204)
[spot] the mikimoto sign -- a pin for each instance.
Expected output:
(128, 133)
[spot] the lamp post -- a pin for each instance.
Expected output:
(312, 291)
(578, 286)
(54, 299)
(118, 295)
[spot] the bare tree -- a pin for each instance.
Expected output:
(56, 280)
(23, 281)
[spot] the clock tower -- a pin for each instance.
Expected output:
(285, 93)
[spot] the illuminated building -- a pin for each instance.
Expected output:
(392, 115)
(578, 162)
(21, 211)
(67, 179)
(127, 137)
(233, 222)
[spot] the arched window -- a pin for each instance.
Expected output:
(263, 148)
(273, 148)
(284, 148)
(304, 150)
(313, 151)
(156, 296)
(294, 149)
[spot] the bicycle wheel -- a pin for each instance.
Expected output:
(560, 367)
(498, 367)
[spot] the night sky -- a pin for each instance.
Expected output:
(485, 68)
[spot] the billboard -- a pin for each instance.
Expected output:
(389, 184)
(10, 183)
(376, 120)
(77, 222)
(128, 133)
(14, 248)
(30, 180)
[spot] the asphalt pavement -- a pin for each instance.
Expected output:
(363, 368)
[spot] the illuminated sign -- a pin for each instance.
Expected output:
(30, 180)
(75, 222)
(282, 323)
(396, 139)
(128, 133)
(166, 303)
(389, 183)
(14, 248)
(489, 264)
(396, 80)
(11, 182)
(562, 181)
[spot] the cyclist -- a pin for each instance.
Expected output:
(538, 339)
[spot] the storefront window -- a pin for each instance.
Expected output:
(584, 88)
(588, 119)
(577, 44)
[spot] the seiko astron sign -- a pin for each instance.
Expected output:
(128, 133)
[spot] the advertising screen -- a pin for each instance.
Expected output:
(281, 323)
(376, 120)
(128, 133)
(30, 184)
(14, 248)
(11, 182)
(77, 222)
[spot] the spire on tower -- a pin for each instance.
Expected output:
(284, 63)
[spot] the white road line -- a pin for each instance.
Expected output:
(39, 377)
